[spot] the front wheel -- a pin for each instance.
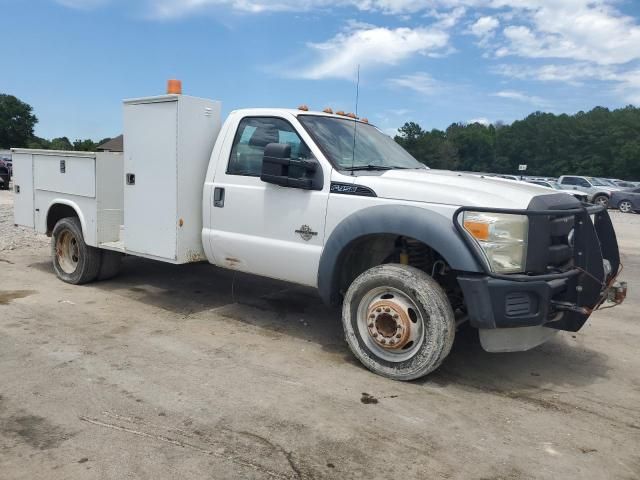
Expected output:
(73, 260)
(398, 321)
(625, 206)
(601, 200)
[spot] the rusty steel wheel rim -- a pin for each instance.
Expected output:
(390, 324)
(67, 252)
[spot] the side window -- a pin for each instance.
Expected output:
(569, 181)
(253, 135)
(583, 183)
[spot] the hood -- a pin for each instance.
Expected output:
(447, 187)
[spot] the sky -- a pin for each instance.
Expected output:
(433, 62)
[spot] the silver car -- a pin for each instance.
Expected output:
(597, 190)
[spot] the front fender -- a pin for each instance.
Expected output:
(427, 226)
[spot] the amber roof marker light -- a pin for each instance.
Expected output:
(174, 87)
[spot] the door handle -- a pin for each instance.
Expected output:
(218, 197)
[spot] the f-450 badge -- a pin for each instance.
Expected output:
(306, 233)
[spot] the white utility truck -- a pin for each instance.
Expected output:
(327, 201)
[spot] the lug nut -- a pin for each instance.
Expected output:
(372, 315)
(371, 325)
(387, 309)
(379, 310)
(395, 315)
(398, 335)
(392, 342)
(383, 341)
(375, 335)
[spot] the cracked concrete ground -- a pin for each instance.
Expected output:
(170, 372)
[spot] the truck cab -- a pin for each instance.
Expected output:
(330, 202)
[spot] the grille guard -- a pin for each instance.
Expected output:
(587, 283)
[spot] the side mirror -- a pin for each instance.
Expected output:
(280, 169)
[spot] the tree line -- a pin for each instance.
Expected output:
(600, 143)
(17, 122)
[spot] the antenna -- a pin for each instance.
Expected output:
(355, 123)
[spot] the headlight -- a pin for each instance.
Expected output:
(502, 237)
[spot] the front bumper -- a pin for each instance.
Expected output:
(560, 298)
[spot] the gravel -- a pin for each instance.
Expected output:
(11, 237)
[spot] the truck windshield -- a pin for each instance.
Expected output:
(605, 182)
(371, 149)
(598, 182)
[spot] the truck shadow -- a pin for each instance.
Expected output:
(194, 290)
(282, 308)
(561, 363)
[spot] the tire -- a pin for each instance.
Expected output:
(601, 200)
(110, 264)
(625, 206)
(73, 260)
(405, 309)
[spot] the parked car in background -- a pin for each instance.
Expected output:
(623, 183)
(627, 201)
(599, 192)
(606, 181)
(508, 177)
(5, 175)
(583, 197)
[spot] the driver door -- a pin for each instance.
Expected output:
(259, 227)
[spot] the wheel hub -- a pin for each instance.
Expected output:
(67, 252)
(389, 325)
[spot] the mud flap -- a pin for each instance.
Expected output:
(496, 340)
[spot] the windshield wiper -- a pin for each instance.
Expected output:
(369, 167)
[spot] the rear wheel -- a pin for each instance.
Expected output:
(73, 260)
(625, 206)
(601, 200)
(398, 321)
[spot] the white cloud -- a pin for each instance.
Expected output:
(625, 82)
(399, 112)
(588, 30)
(172, 8)
(481, 120)
(420, 82)
(369, 47)
(82, 4)
(594, 38)
(575, 73)
(448, 18)
(484, 26)
(519, 96)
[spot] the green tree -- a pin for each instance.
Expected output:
(600, 142)
(16, 122)
(61, 143)
(85, 145)
(39, 143)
